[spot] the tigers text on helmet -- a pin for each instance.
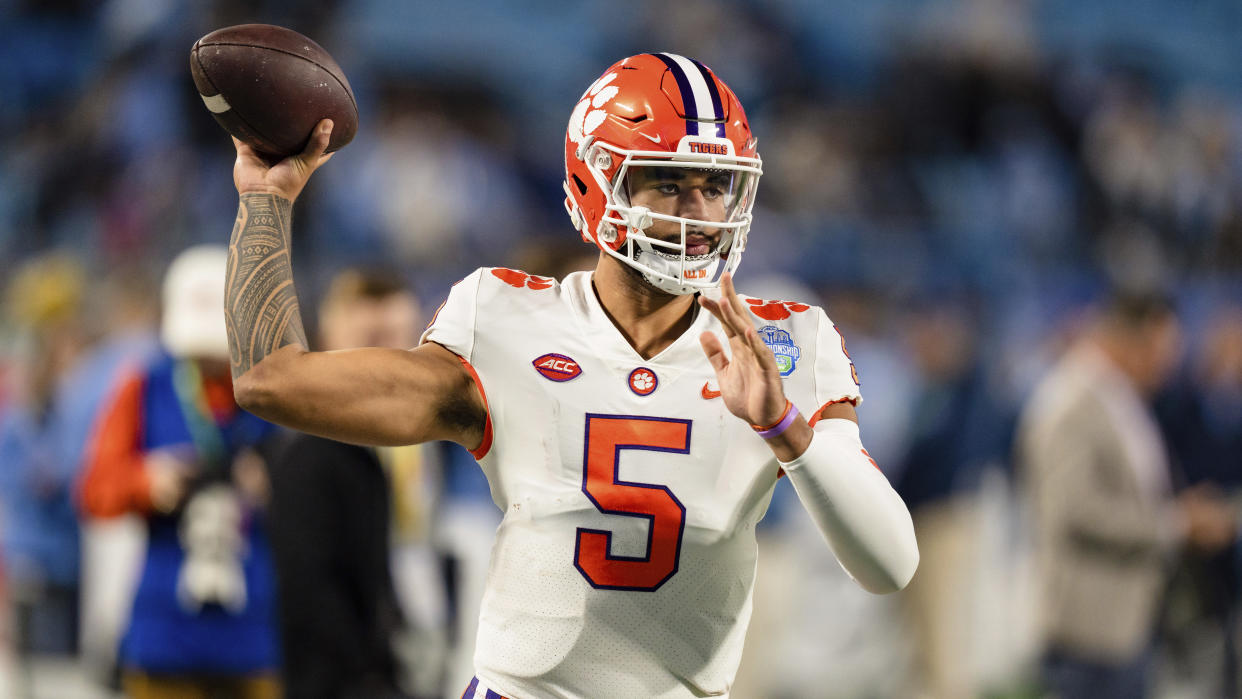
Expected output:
(670, 114)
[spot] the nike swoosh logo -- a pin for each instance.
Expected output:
(654, 139)
(708, 393)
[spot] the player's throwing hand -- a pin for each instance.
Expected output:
(254, 175)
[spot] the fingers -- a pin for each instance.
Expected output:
(729, 312)
(747, 347)
(251, 158)
(730, 294)
(739, 313)
(715, 309)
(732, 312)
(314, 153)
(246, 152)
(733, 316)
(763, 355)
(714, 351)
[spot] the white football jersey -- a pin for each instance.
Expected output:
(624, 563)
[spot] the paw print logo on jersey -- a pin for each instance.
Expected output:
(775, 310)
(643, 381)
(589, 113)
(518, 279)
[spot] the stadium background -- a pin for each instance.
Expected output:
(958, 181)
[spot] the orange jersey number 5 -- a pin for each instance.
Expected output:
(606, 437)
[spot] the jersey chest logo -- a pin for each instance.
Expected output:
(557, 367)
(643, 381)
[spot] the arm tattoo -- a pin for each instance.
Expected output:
(260, 303)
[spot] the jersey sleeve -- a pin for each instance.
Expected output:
(836, 379)
(453, 325)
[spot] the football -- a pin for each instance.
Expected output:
(269, 86)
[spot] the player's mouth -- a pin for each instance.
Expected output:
(697, 245)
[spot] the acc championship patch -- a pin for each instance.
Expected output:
(787, 353)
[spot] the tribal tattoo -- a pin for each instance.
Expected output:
(260, 304)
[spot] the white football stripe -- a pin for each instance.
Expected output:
(702, 98)
(216, 104)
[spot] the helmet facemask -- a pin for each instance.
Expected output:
(624, 231)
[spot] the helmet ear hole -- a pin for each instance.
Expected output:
(582, 188)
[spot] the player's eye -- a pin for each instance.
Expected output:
(668, 188)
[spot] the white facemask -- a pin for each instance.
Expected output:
(666, 269)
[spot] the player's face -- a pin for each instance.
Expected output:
(704, 195)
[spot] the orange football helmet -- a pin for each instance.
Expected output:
(659, 110)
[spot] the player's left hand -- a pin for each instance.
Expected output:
(750, 382)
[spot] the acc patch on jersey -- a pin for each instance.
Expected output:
(787, 353)
(557, 367)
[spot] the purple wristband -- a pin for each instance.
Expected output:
(791, 414)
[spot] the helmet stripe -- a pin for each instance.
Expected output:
(699, 96)
(717, 110)
(698, 90)
(689, 104)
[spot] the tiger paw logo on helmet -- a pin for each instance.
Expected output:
(672, 113)
(583, 122)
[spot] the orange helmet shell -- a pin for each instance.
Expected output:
(650, 104)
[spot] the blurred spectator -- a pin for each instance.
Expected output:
(123, 314)
(1203, 419)
(40, 529)
(430, 186)
(957, 430)
(173, 445)
(1105, 517)
(330, 520)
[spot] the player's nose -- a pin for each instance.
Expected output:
(692, 204)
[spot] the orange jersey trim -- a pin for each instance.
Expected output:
(436, 314)
(115, 478)
(819, 414)
(486, 445)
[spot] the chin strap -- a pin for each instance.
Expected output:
(864, 520)
(653, 260)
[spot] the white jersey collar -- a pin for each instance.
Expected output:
(599, 330)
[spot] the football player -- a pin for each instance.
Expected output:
(632, 421)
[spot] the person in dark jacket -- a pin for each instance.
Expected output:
(1201, 415)
(330, 523)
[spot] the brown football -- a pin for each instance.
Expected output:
(269, 86)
